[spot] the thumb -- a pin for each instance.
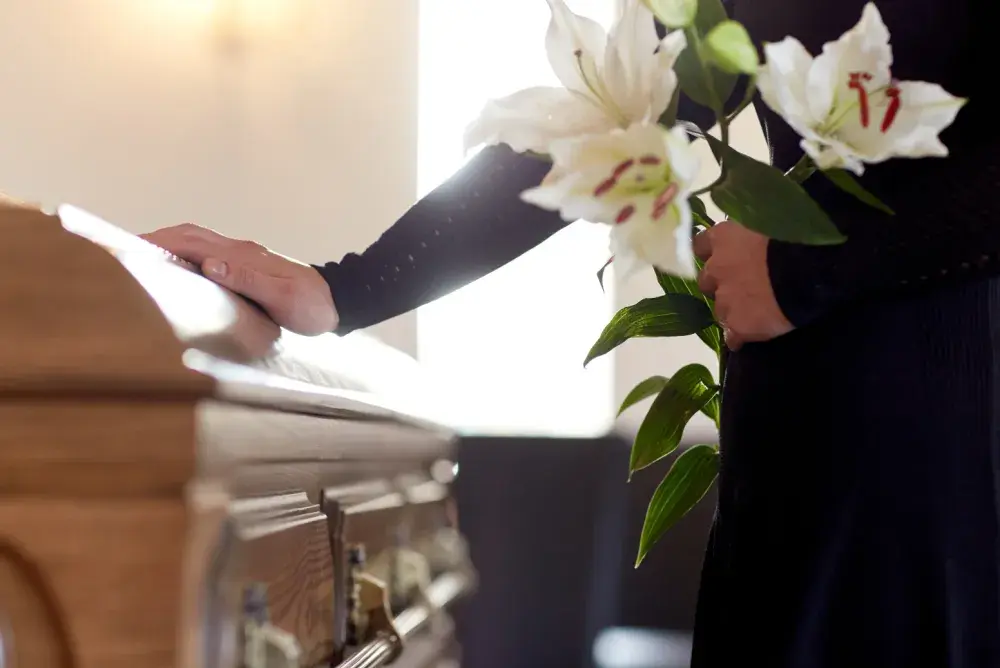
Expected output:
(245, 280)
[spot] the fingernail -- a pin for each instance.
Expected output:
(216, 268)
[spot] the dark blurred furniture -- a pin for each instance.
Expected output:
(553, 527)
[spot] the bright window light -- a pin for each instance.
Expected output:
(509, 347)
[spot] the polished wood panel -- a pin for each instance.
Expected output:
(284, 545)
(115, 573)
(32, 628)
(96, 447)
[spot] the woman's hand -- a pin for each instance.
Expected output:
(736, 275)
(293, 294)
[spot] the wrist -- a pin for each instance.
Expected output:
(322, 307)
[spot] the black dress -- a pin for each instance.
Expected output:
(859, 500)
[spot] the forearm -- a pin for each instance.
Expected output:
(470, 225)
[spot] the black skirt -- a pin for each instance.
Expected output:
(858, 520)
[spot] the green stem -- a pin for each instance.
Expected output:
(802, 170)
(722, 356)
(723, 360)
(747, 99)
(694, 42)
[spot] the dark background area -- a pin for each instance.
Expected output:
(553, 527)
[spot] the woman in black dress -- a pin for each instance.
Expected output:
(859, 500)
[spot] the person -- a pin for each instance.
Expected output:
(858, 519)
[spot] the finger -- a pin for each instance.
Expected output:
(721, 310)
(185, 246)
(189, 242)
(703, 245)
(707, 282)
(267, 290)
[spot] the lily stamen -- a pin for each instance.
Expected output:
(664, 200)
(855, 83)
(627, 211)
(597, 89)
(894, 104)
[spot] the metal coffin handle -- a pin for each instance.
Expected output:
(441, 593)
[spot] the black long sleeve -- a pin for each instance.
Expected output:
(944, 228)
(473, 223)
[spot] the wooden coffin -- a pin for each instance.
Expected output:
(182, 484)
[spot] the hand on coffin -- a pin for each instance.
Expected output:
(292, 293)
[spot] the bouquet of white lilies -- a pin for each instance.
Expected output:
(620, 157)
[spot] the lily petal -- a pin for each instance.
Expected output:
(531, 119)
(782, 80)
(827, 154)
(683, 161)
(627, 263)
(864, 48)
(574, 44)
(630, 59)
(925, 110)
(666, 244)
(665, 81)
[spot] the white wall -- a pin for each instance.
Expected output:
(306, 141)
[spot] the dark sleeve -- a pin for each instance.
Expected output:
(945, 228)
(468, 226)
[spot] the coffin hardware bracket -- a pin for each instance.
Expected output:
(265, 645)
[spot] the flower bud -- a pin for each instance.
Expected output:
(673, 13)
(731, 50)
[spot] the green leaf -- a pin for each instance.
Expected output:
(846, 182)
(689, 66)
(700, 212)
(644, 390)
(660, 433)
(673, 13)
(763, 199)
(711, 337)
(713, 409)
(669, 315)
(600, 272)
(731, 49)
(675, 285)
(682, 488)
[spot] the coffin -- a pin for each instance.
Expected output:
(183, 484)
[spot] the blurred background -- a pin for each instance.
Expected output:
(310, 126)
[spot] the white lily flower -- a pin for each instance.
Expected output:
(845, 103)
(609, 80)
(637, 180)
